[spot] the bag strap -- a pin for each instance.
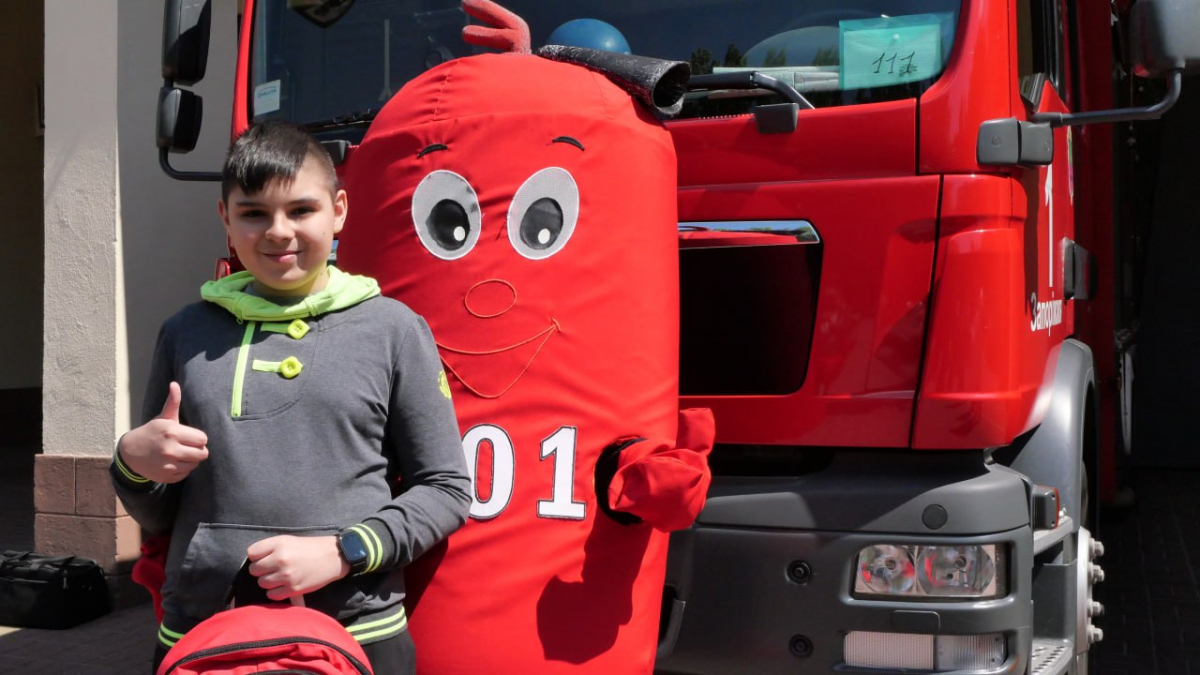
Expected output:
(34, 562)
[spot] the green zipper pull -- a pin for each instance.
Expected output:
(239, 375)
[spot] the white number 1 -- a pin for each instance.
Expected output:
(562, 505)
(1050, 203)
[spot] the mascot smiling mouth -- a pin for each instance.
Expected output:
(464, 357)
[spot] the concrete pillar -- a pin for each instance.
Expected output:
(84, 380)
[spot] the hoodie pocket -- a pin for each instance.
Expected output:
(214, 556)
(273, 369)
(345, 598)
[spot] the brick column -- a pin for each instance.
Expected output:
(78, 514)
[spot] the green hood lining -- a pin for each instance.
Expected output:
(343, 290)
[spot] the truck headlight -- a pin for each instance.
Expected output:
(885, 570)
(927, 572)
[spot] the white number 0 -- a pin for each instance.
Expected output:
(560, 445)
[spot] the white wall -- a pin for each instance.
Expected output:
(124, 245)
(81, 224)
(171, 234)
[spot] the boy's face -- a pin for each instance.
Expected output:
(284, 233)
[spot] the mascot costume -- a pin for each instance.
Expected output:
(525, 205)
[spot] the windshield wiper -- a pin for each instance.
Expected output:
(350, 119)
(778, 118)
(749, 79)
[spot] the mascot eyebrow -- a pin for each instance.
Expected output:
(433, 148)
(442, 146)
(568, 140)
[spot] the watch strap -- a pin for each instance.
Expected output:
(360, 548)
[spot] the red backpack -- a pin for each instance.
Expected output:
(267, 639)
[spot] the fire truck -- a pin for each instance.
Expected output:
(883, 259)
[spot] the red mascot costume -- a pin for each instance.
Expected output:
(526, 207)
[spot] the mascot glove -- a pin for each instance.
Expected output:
(657, 481)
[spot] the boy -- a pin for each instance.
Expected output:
(281, 411)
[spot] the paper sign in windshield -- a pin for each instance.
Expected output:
(891, 50)
(266, 98)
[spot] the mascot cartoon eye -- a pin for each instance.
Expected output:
(543, 213)
(445, 211)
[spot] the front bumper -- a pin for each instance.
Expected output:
(736, 603)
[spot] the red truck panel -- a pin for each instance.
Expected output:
(992, 347)
(241, 80)
(1095, 222)
(865, 141)
(978, 85)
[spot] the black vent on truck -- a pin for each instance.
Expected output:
(732, 459)
(748, 299)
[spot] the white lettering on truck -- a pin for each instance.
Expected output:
(1044, 315)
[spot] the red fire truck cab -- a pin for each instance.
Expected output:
(880, 272)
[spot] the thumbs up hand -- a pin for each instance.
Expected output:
(170, 409)
(164, 450)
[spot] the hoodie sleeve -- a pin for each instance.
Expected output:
(151, 504)
(422, 436)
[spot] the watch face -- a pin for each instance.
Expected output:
(353, 547)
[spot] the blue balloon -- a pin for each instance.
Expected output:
(590, 33)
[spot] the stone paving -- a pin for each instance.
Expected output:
(117, 644)
(1151, 593)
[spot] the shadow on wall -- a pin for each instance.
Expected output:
(16, 495)
(1165, 405)
(21, 417)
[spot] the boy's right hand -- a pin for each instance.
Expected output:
(164, 450)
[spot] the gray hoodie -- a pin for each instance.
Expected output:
(328, 414)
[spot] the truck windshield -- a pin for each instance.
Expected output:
(334, 64)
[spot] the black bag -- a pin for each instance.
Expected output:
(41, 591)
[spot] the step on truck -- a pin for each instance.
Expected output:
(880, 279)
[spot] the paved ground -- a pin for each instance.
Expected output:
(117, 644)
(1151, 591)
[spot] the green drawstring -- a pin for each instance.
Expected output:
(295, 330)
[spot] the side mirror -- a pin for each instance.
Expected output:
(1166, 44)
(180, 113)
(186, 26)
(1165, 36)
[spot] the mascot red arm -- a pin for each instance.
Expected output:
(526, 207)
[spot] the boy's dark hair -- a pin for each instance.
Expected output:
(269, 151)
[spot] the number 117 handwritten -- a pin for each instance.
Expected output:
(906, 63)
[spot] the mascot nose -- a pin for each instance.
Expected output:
(490, 298)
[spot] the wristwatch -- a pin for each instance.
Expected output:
(353, 550)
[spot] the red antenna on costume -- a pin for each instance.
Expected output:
(505, 31)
